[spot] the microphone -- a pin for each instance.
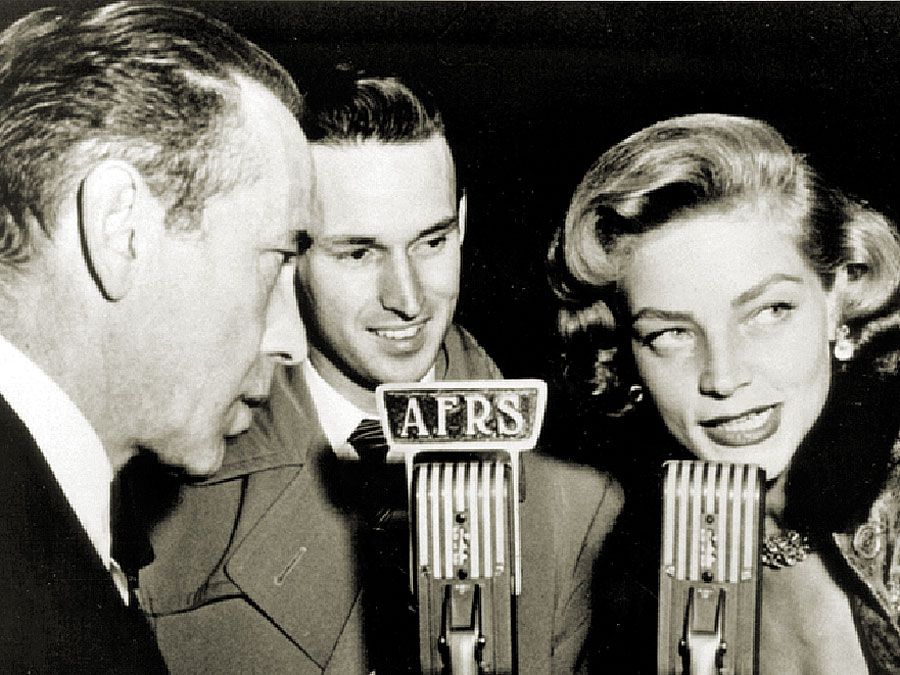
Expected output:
(461, 443)
(709, 576)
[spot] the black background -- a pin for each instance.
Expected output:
(534, 92)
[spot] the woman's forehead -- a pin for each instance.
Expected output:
(713, 254)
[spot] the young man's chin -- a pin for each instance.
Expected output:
(403, 370)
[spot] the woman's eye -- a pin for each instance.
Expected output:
(772, 313)
(669, 340)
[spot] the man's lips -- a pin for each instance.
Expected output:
(399, 333)
(751, 426)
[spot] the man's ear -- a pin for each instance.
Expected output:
(110, 220)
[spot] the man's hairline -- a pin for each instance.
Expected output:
(361, 141)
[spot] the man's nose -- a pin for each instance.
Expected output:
(284, 337)
(400, 287)
(724, 370)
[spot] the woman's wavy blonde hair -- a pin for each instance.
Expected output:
(693, 163)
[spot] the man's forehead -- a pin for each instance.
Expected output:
(377, 167)
(392, 190)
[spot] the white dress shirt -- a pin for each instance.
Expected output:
(69, 444)
(338, 416)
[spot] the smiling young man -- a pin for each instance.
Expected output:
(283, 579)
(390, 232)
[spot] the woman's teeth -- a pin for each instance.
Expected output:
(747, 429)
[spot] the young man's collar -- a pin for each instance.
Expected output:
(338, 416)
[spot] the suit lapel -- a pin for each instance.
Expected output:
(66, 610)
(297, 562)
(298, 553)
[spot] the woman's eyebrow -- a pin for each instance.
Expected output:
(758, 289)
(661, 315)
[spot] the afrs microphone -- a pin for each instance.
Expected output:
(709, 577)
(461, 443)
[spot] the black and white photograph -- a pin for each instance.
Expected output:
(452, 338)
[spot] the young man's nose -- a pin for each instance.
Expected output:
(400, 287)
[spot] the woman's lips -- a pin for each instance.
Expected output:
(753, 426)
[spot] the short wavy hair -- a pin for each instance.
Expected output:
(353, 109)
(690, 164)
(150, 83)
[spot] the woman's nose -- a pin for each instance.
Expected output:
(724, 369)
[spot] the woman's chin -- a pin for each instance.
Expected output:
(768, 455)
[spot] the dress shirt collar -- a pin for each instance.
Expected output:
(338, 416)
(65, 438)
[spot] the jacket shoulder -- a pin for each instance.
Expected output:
(583, 501)
(465, 359)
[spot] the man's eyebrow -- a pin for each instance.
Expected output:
(348, 240)
(369, 241)
(758, 289)
(440, 226)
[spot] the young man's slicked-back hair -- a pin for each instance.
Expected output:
(347, 109)
(149, 83)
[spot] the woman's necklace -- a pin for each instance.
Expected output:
(784, 549)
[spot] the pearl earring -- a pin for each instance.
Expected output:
(843, 345)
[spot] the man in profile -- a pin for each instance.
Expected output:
(281, 579)
(152, 179)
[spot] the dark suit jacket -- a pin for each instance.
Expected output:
(256, 569)
(60, 609)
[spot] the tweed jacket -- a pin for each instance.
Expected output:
(256, 568)
(61, 610)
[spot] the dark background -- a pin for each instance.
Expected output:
(534, 92)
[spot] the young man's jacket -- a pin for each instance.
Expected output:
(256, 567)
(61, 612)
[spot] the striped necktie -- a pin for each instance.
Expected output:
(369, 442)
(384, 552)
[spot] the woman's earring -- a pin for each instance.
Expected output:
(635, 394)
(843, 345)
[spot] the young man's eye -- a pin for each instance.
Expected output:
(355, 254)
(431, 245)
